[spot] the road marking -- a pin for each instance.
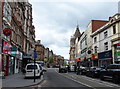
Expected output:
(101, 82)
(76, 80)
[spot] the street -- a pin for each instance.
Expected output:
(53, 79)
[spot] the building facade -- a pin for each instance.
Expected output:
(74, 41)
(14, 46)
(102, 46)
(40, 49)
(86, 42)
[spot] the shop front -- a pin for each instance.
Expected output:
(105, 58)
(117, 53)
(94, 59)
(6, 56)
(17, 59)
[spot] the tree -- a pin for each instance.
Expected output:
(51, 60)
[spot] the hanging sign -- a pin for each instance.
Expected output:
(7, 31)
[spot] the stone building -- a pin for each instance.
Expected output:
(40, 49)
(18, 43)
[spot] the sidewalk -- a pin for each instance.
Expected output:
(17, 80)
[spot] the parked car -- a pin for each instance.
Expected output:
(30, 70)
(93, 72)
(111, 72)
(83, 70)
(44, 69)
(72, 68)
(63, 69)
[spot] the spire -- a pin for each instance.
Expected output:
(77, 26)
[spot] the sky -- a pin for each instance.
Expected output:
(55, 21)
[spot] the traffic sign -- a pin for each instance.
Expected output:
(35, 55)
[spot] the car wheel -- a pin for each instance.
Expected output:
(80, 73)
(87, 74)
(39, 76)
(101, 77)
(41, 73)
(92, 75)
(115, 79)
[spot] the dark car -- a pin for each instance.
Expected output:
(63, 69)
(83, 70)
(93, 72)
(111, 72)
(72, 68)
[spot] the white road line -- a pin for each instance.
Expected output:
(102, 82)
(77, 81)
(99, 81)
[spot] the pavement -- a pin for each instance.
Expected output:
(18, 80)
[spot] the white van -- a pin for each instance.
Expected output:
(30, 70)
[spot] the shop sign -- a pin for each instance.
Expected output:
(105, 55)
(118, 45)
(14, 51)
(7, 31)
(6, 47)
(118, 53)
(94, 56)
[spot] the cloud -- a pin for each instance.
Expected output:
(55, 22)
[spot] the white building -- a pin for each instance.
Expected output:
(106, 42)
(102, 46)
(86, 41)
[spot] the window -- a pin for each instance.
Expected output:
(95, 49)
(105, 34)
(114, 29)
(106, 46)
(32, 67)
(95, 39)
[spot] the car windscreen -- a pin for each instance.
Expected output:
(31, 67)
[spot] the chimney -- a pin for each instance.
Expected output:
(39, 41)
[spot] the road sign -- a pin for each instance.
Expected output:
(35, 55)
